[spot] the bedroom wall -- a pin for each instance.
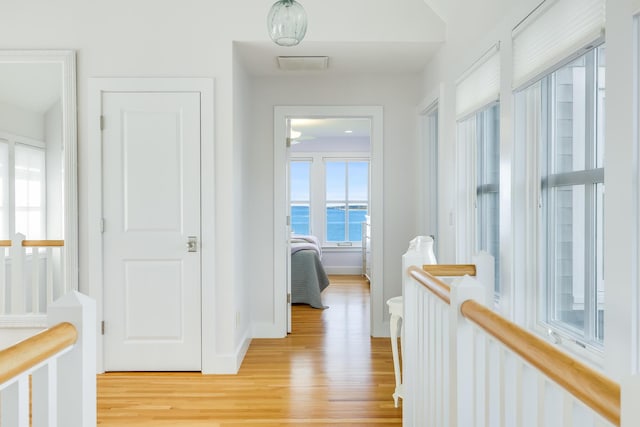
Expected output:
(399, 97)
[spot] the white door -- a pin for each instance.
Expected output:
(151, 210)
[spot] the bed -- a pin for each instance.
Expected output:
(308, 278)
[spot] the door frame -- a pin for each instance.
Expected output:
(280, 242)
(204, 86)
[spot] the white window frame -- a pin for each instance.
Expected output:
(534, 171)
(481, 187)
(12, 142)
(347, 201)
(317, 212)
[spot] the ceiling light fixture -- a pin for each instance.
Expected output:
(348, 131)
(287, 22)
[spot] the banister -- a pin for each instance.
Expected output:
(450, 270)
(432, 283)
(26, 354)
(5, 243)
(589, 386)
(42, 243)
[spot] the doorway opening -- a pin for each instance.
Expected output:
(328, 178)
(328, 182)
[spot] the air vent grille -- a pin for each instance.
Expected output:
(303, 63)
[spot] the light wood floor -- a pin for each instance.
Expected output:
(327, 372)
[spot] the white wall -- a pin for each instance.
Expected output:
(241, 136)
(18, 121)
(398, 96)
(466, 43)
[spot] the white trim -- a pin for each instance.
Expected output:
(281, 113)
(429, 156)
(211, 362)
(23, 321)
(350, 270)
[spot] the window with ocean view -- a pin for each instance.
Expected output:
(329, 197)
(346, 198)
(300, 196)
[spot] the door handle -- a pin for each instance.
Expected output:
(192, 244)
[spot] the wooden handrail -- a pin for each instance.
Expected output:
(589, 386)
(42, 243)
(26, 354)
(5, 243)
(450, 270)
(432, 283)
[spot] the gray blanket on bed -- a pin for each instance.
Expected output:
(308, 278)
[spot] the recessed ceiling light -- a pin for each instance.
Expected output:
(348, 131)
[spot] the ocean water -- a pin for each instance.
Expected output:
(335, 222)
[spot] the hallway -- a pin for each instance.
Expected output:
(327, 372)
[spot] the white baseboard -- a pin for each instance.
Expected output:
(344, 270)
(229, 363)
(266, 330)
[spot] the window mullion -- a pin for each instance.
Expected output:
(11, 208)
(590, 305)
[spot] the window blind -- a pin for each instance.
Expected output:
(480, 84)
(553, 32)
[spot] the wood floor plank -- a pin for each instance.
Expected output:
(329, 371)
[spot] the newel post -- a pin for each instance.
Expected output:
(77, 368)
(461, 388)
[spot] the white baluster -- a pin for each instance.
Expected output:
(35, 280)
(44, 399)
(49, 273)
(14, 401)
(3, 280)
(17, 276)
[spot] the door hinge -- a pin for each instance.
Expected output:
(102, 327)
(288, 298)
(288, 142)
(288, 220)
(101, 122)
(102, 225)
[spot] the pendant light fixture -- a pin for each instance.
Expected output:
(287, 22)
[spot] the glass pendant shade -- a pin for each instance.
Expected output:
(287, 22)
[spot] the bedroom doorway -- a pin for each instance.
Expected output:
(330, 168)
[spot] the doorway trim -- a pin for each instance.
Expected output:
(375, 114)
(94, 288)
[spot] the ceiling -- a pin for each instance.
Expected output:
(32, 87)
(260, 58)
(328, 134)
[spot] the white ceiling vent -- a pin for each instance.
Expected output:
(303, 63)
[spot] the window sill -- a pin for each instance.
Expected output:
(588, 354)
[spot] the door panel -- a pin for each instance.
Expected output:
(151, 206)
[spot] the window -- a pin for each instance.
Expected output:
(567, 107)
(346, 199)
(488, 186)
(22, 190)
(300, 196)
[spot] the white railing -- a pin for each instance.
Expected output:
(31, 275)
(59, 364)
(466, 366)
